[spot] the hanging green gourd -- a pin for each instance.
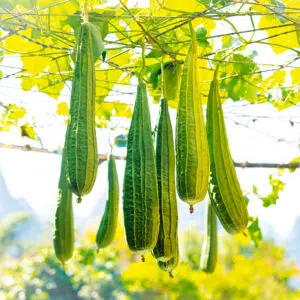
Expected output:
(165, 164)
(140, 192)
(210, 244)
(227, 196)
(192, 154)
(63, 235)
(81, 139)
(109, 222)
(166, 247)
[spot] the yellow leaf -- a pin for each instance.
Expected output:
(163, 6)
(106, 79)
(16, 43)
(279, 37)
(15, 112)
(104, 110)
(295, 74)
(35, 64)
(62, 109)
(61, 10)
(277, 78)
(28, 131)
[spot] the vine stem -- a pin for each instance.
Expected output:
(143, 61)
(85, 11)
(163, 87)
(103, 157)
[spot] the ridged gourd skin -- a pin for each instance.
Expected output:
(109, 222)
(165, 164)
(140, 192)
(63, 235)
(228, 200)
(209, 250)
(82, 151)
(192, 154)
(172, 76)
(170, 265)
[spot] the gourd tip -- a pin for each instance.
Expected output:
(171, 275)
(191, 209)
(245, 234)
(79, 199)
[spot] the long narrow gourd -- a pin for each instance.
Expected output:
(108, 225)
(170, 265)
(228, 199)
(165, 164)
(192, 154)
(81, 137)
(210, 244)
(140, 194)
(63, 236)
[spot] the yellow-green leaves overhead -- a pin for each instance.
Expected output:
(105, 110)
(43, 33)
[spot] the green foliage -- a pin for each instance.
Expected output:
(255, 231)
(43, 34)
(294, 161)
(277, 186)
(115, 273)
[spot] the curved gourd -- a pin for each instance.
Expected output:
(81, 140)
(109, 222)
(140, 193)
(192, 154)
(63, 236)
(210, 244)
(227, 195)
(165, 164)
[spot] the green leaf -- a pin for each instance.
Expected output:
(36, 33)
(220, 3)
(255, 190)
(154, 54)
(201, 33)
(243, 64)
(205, 2)
(297, 28)
(294, 161)
(95, 18)
(255, 231)
(155, 71)
(277, 186)
(29, 4)
(97, 42)
(241, 83)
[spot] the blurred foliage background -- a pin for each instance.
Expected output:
(31, 271)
